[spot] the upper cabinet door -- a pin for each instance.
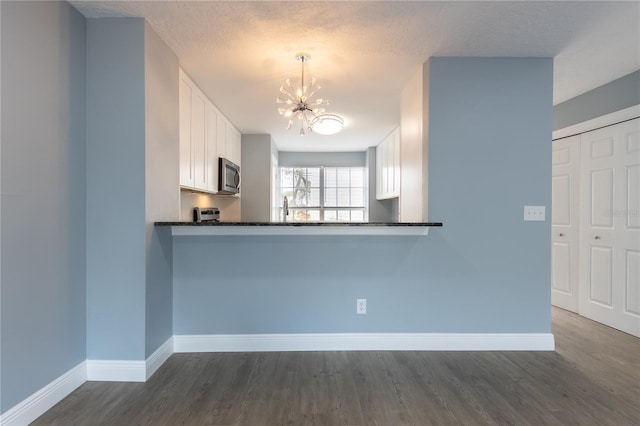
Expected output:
(186, 153)
(211, 162)
(388, 167)
(222, 136)
(378, 173)
(198, 138)
(237, 147)
(396, 163)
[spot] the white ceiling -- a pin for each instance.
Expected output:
(362, 53)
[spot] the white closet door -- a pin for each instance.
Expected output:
(565, 223)
(610, 229)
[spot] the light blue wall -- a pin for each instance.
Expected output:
(162, 183)
(485, 271)
(489, 155)
(43, 201)
(115, 189)
(611, 97)
(311, 159)
(159, 289)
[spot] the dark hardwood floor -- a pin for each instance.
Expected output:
(593, 378)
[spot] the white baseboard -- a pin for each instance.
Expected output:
(139, 371)
(129, 371)
(37, 404)
(159, 357)
(365, 342)
(99, 370)
(116, 371)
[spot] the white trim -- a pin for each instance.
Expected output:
(38, 403)
(596, 123)
(129, 371)
(159, 357)
(116, 371)
(208, 230)
(365, 342)
(139, 371)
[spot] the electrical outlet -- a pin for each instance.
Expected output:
(534, 213)
(361, 306)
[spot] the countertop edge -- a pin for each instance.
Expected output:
(303, 224)
(203, 229)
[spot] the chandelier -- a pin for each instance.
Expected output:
(298, 101)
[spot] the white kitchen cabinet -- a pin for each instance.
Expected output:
(211, 162)
(199, 138)
(193, 142)
(396, 163)
(229, 141)
(379, 172)
(187, 178)
(205, 135)
(388, 166)
(237, 146)
(222, 136)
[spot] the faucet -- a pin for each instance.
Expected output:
(285, 208)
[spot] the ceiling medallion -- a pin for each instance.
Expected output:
(299, 103)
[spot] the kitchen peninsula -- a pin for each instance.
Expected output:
(298, 228)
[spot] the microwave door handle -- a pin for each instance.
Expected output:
(236, 179)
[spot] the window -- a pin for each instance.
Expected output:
(324, 194)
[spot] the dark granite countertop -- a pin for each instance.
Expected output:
(314, 224)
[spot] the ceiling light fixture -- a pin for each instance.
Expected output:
(327, 124)
(298, 101)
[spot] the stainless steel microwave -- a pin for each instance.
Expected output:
(228, 177)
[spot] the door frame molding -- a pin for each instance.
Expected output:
(598, 122)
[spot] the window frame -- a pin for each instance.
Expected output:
(322, 184)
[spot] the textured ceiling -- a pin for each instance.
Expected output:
(363, 53)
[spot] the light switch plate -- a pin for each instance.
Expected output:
(534, 213)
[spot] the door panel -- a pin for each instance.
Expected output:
(602, 148)
(632, 277)
(633, 197)
(602, 198)
(601, 275)
(561, 199)
(561, 280)
(561, 155)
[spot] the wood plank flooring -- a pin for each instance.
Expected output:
(593, 378)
